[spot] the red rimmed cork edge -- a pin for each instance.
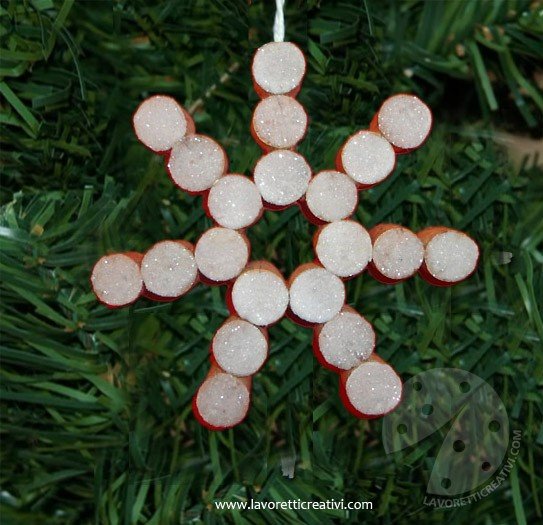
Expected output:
(214, 370)
(344, 279)
(374, 126)
(426, 236)
(277, 207)
(137, 258)
(264, 146)
(253, 265)
(339, 160)
(262, 329)
(344, 376)
(162, 299)
(205, 203)
(190, 130)
(262, 93)
(315, 241)
(316, 344)
(167, 155)
(308, 214)
(300, 269)
(375, 233)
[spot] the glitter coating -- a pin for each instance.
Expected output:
(346, 340)
(344, 248)
(222, 400)
(260, 297)
(331, 196)
(159, 122)
(374, 388)
(234, 202)
(368, 158)
(221, 254)
(316, 295)
(278, 67)
(280, 121)
(196, 162)
(451, 256)
(282, 177)
(405, 121)
(116, 280)
(398, 253)
(169, 269)
(239, 347)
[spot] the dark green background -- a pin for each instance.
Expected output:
(96, 419)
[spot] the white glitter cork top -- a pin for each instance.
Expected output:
(279, 121)
(374, 388)
(223, 400)
(344, 248)
(282, 177)
(169, 269)
(116, 280)
(316, 295)
(451, 256)
(260, 297)
(368, 158)
(234, 202)
(346, 340)
(398, 253)
(278, 67)
(331, 196)
(405, 121)
(239, 347)
(221, 254)
(159, 122)
(196, 162)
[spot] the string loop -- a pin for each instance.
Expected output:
(279, 23)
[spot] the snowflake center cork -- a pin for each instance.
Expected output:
(258, 295)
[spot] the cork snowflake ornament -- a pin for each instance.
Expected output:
(258, 295)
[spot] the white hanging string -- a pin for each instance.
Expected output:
(279, 23)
